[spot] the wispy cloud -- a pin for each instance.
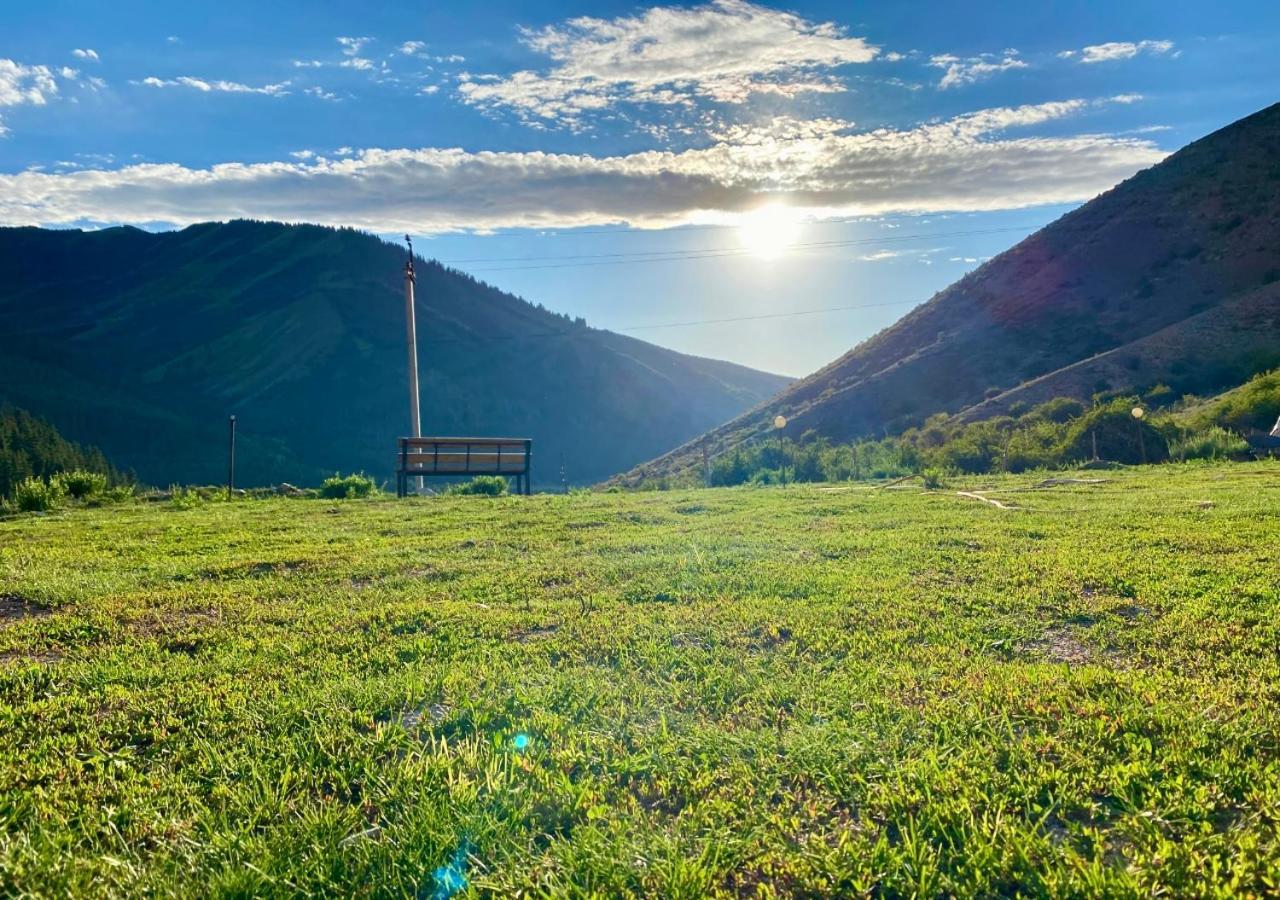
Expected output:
(22, 84)
(1117, 50)
(975, 68)
(218, 86)
(85, 54)
(964, 163)
(723, 51)
(351, 47)
(412, 48)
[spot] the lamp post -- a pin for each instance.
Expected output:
(779, 423)
(231, 456)
(411, 338)
(1138, 413)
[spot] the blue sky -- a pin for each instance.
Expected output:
(601, 158)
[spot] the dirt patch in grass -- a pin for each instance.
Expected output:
(432, 713)
(537, 633)
(39, 657)
(14, 608)
(159, 622)
(1062, 644)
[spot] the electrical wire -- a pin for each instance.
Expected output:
(568, 332)
(605, 259)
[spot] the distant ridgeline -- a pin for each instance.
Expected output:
(30, 446)
(144, 343)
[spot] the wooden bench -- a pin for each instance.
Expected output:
(454, 456)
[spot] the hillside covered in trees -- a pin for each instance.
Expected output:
(31, 447)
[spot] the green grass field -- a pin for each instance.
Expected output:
(779, 691)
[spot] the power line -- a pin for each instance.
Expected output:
(568, 332)
(603, 259)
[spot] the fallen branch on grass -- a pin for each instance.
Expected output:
(973, 495)
(1053, 482)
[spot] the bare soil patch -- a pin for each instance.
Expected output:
(14, 608)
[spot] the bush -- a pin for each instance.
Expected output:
(347, 487)
(37, 495)
(482, 486)
(1208, 443)
(933, 479)
(184, 498)
(121, 493)
(81, 485)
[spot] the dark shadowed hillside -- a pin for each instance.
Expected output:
(143, 343)
(1173, 276)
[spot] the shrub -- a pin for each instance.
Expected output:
(347, 487)
(121, 493)
(933, 479)
(81, 485)
(184, 498)
(482, 486)
(1213, 442)
(37, 495)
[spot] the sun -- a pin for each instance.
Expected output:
(769, 231)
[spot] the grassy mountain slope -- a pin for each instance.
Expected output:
(144, 343)
(1134, 274)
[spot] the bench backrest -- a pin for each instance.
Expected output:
(464, 456)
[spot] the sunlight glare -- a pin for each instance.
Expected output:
(769, 231)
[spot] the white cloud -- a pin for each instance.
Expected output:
(307, 64)
(881, 255)
(351, 47)
(321, 94)
(173, 39)
(967, 71)
(1116, 50)
(429, 89)
(85, 54)
(412, 48)
(723, 51)
(219, 86)
(25, 85)
(962, 164)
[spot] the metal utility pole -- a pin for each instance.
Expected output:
(415, 420)
(231, 457)
(1138, 413)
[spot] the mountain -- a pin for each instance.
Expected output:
(144, 343)
(1171, 277)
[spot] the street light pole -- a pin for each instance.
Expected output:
(415, 420)
(779, 423)
(1138, 413)
(231, 456)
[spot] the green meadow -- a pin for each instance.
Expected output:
(780, 691)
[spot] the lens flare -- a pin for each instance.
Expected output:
(769, 231)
